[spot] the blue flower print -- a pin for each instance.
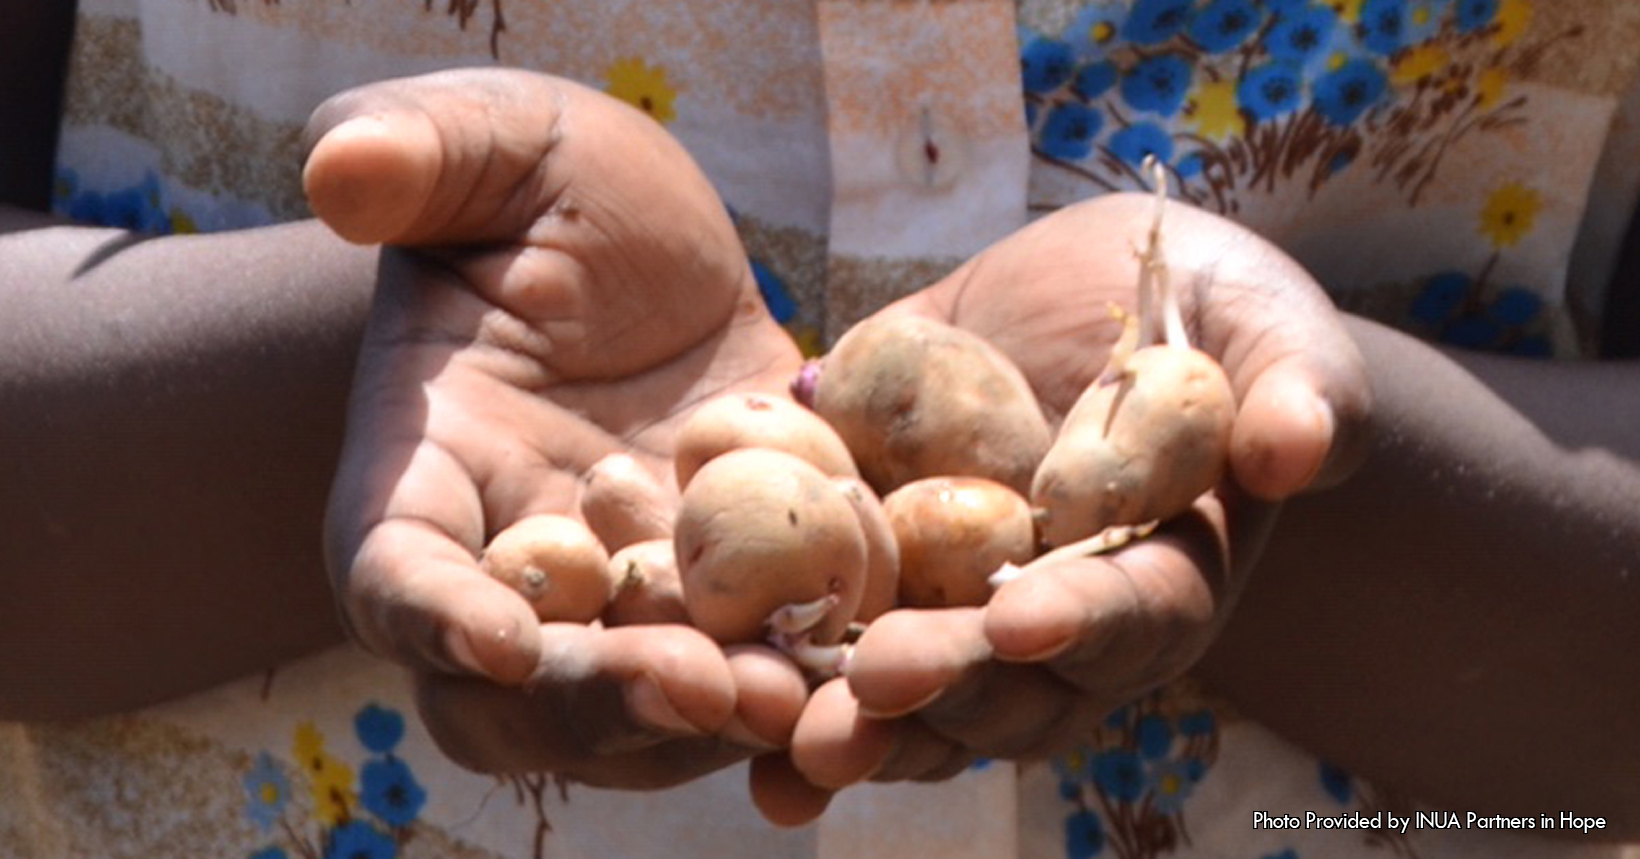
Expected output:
(1198, 723)
(1345, 93)
(1473, 332)
(1084, 835)
(125, 209)
(1157, 84)
(775, 294)
(1119, 773)
(1515, 306)
(136, 208)
(1475, 14)
(1269, 91)
(1423, 19)
(1535, 346)
(379, 728)
(1440, 298)
(1170, 785)
(1285, 7)
(1095, 79)
(1383, 25)
(1046, 65)
(1095, 28)
(357, 839)
(1118, 719)
(1151, 22)
(267, 790)
(1190, 166)
(1337, 782)
(1069, 131)
(1136, 142)
(1155, 736)
(388, 790)
(1224, 24)
(1302, 34)
(1340, 160)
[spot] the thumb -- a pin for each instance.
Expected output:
(454, 157)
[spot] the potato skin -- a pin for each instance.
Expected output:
(556, 563)
(882, 586)
(1140, 448)
(648, 588)
(624, 504)
(913, 397)
(953, 533)
(760, 529)
(758, 420)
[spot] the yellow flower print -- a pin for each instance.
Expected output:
(333, 802)
(1490, 86)
(309, 742)
(1213, 107)
(1509, 213)
(1102, 32)
(643, 86)
(1419, 63)
(1348, 10)
(1421, 14)
(183, 223)
(330, 779)
(1514, 16)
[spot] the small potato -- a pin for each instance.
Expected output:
(556, 563)
(953, 534)
(758, 420)
(913, 397)
(1138, 448)
(882, 587)
(647, 586)
(623, 503)
(762, 530)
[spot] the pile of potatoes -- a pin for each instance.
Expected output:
(910, 467)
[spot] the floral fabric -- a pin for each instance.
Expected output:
(1431, 161)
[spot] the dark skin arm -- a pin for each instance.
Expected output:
(1474, 641)
(172, 410)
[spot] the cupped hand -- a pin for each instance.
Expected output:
(1054, 650)
(559, 282)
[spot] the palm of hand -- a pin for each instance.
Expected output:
(1066, 643)
(565, 284)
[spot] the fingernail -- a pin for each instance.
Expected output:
(736, 732)
(646, 701)
(904, 710)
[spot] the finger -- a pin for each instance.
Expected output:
(414, 595)
(1116, 624)
(921, 754)
(781, 793)
(907, 658)
(596, 696)
(834, 745)
(1002, 710)
(452, 158)
(770, 693)
(938, 664)
(1292, 434)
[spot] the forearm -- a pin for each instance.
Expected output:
(1461, 619)
(170, 415)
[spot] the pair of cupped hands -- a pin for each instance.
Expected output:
(560, 282)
